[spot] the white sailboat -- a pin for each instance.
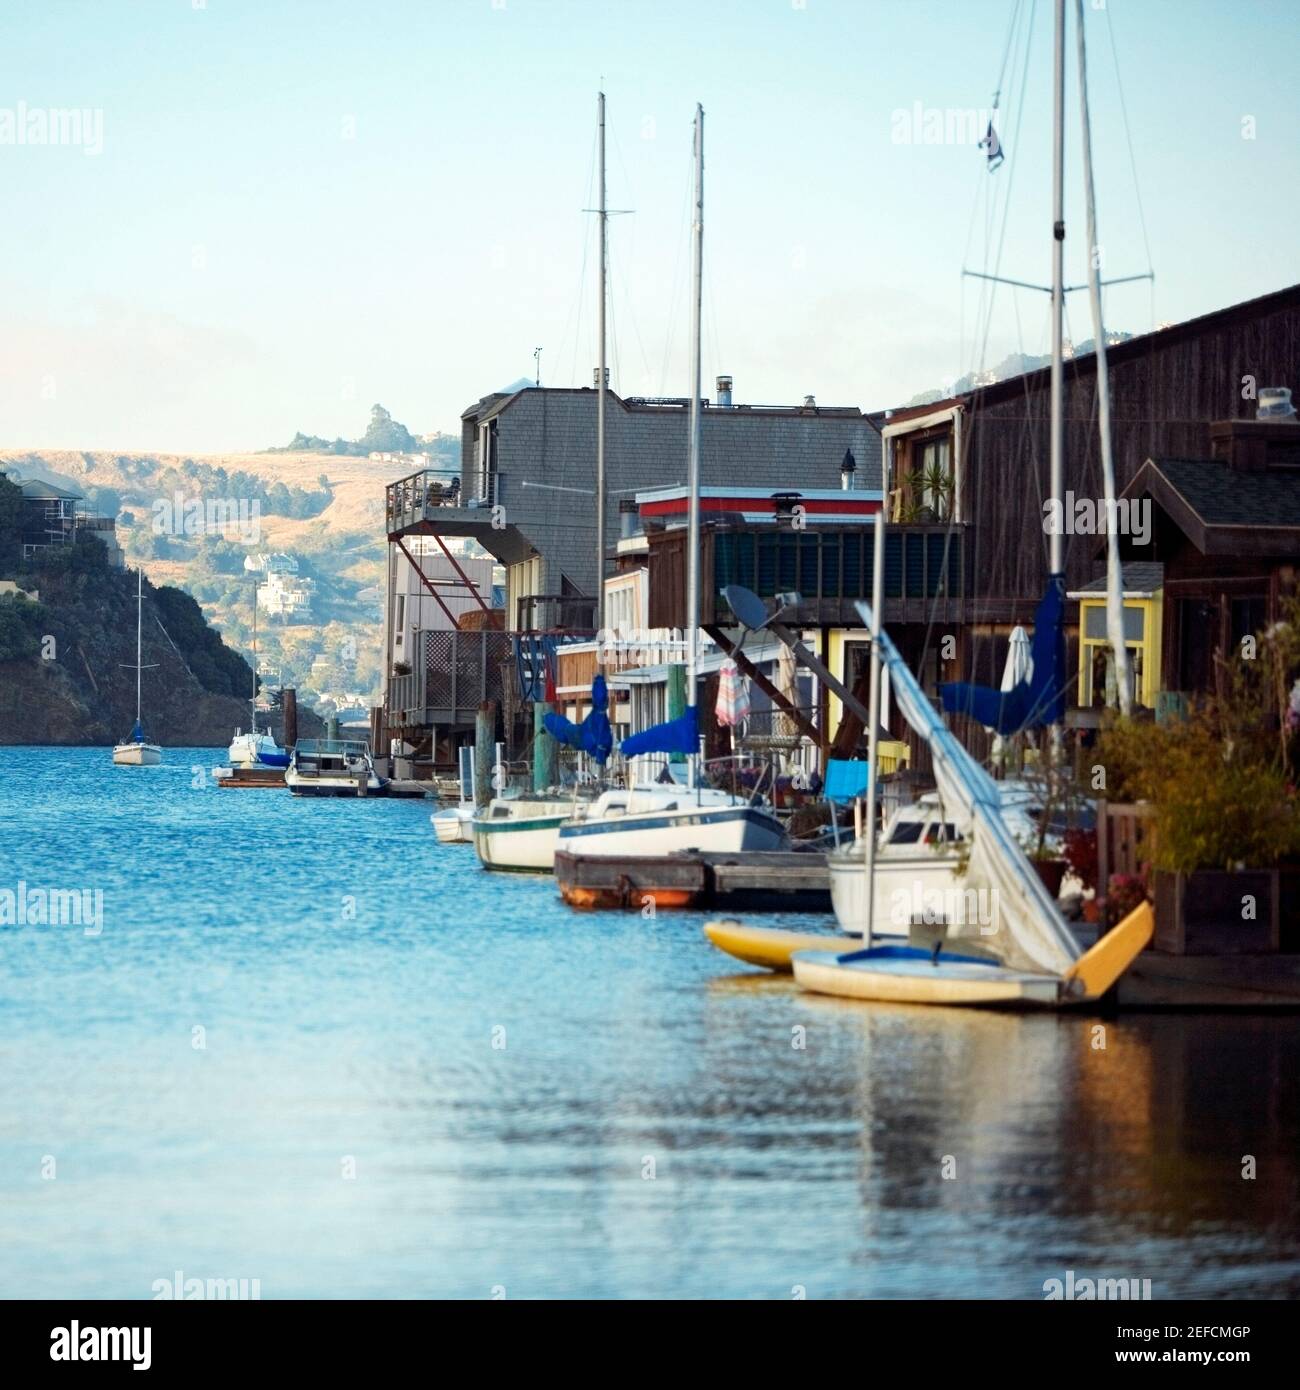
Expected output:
(1023, 953)
(454, 825)
(656, 820)
(135, 750)
(257, 747)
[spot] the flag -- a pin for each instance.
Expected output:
(993, 145)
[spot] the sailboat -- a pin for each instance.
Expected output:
(1023, 953)
(134, 751)
(256, 748)
(520, 834)
(454, 825)
(659, 819)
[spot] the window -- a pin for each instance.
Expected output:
(907, 832)
(932, 481)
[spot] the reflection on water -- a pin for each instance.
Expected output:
(557, 1103)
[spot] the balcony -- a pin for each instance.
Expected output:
(455, 673)
(443, 501)
(926, 574)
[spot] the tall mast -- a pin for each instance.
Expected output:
(1114, 571)
(139, 653)
(252, 704)
(1056, 428)
(600, 376)
(693, 468)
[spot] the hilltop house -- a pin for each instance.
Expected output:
(53, 516)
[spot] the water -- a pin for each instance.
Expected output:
(351, 978)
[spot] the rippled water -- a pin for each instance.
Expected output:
(553, 1103)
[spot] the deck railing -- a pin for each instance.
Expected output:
(424, 494)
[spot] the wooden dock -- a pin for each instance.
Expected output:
(253, 777)
(770, 880)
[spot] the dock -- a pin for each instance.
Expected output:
(250, 777)
(768, 880)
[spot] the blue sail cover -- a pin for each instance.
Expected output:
(1031, 704)
(593, 735)
(137, 733)
(680, 735)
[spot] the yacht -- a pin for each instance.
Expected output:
(135, 750)
(657, 820)
(333, 767)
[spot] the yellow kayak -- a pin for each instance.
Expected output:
(769, 946)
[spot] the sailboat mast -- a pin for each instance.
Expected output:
(139, 649)
(600, 376)
(1114, 571)
(1057, 424)
(693, 467)
(1056, 427)
(252, 703)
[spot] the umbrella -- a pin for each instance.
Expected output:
(733, 695)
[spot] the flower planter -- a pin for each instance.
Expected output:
(1206, 913)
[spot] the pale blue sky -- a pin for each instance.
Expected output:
(232, 267)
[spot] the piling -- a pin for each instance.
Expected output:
(546, 771)
(485, 727)
(676, 701)
(290, 710)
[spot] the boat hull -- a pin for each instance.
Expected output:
(768, 947)
(905, 886)
(137, 755)
(453, 827)
(335, 786)
(715, 830)
(525, 846)
(912, 975)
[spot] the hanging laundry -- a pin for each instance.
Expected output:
(733, 695)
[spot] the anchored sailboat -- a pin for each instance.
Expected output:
(657, 819)
(256, 748)
(134, 751)
(1020, 951)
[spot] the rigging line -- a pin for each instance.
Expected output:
(636, 327)
(1020, 107)
(582, 273)
(1132, 158)
(1006, 207)
(669, 336)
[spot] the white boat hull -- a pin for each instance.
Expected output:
(907, 888)
(712, 829)
(137, 755)
(910, 975)
(520, 846)
(454, 826)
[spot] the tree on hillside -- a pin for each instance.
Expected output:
(386, 435)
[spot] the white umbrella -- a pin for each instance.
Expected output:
(1019, 667)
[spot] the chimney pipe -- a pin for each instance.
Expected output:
(629, 518)
(724, 392)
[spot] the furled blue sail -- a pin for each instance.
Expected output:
(137, 733)
(680, 735)
(1031, 704)
(593, 735)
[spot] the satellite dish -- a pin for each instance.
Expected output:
(747, 606)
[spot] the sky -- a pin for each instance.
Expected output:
(279, 212)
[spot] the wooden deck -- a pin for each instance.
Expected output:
(773, 881)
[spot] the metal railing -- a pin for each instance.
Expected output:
(413, 498)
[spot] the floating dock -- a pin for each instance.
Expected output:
(249, 777)
(767, 880)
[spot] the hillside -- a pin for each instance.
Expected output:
(324, 509)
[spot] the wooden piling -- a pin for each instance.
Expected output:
(546, 772)
(289, 708)
(485, 727)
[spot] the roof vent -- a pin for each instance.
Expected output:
(810, 402)
(724, 391)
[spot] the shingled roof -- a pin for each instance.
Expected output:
(1223, 510)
